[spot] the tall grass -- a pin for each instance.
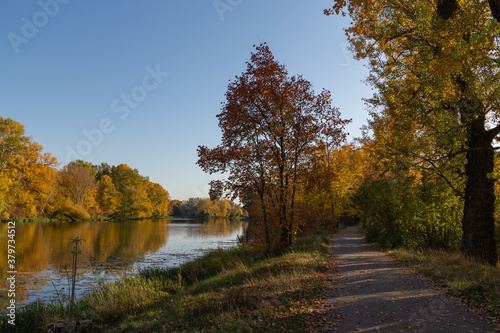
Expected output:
(476, 284)
(235, 290)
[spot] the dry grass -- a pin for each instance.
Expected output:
(238, 290)
(476, 284)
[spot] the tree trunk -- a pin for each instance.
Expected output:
(478, 223)
(264, 212)
(282, 211)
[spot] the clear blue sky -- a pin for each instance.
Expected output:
(89, 78)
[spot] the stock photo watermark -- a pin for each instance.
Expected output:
(11, 272)
(31, 26)
(224, 6)
(348, 55)
(120, 106)
(427, 314)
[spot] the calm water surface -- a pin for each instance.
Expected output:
(110, 251)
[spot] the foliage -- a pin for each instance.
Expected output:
(27, 177)
(31, 187)
(206, 208)
(327, 197)
(401, 211)
(435, 70)
(272, 127)
(108, 196)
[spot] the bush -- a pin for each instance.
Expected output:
(410, 212)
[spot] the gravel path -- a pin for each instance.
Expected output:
(373, 294)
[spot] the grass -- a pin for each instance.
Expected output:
(476, 284)
(235, 290)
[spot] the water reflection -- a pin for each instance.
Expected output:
(109, 250)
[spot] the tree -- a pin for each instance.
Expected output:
(12, 140)
(27, 176)
(159, 199)
(108, 197)
(33, 180)
(329, 187)
(103, 169)
(435, 65)
(272, 125)
(132, 186)
(76, 191)
(30, 186)
(82, 182)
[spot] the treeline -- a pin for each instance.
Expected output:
(32, 187)
(205, 208)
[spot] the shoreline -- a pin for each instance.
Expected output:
(219, 290)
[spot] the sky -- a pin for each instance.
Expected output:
(141, 82)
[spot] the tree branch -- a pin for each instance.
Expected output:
(492, 133)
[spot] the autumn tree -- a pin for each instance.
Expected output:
(27, 175)
(159, 199)
(206, 208)
(272, 124)
(31, 187)
(82, 182)
(404, 203)
(132, 186)
(103, 169)
(108, 197)
(436, 64)
(330, 185)
(76, 191)
(12, 140)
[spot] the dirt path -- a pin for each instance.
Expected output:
(374, 294)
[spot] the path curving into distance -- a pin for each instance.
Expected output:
(372, 293)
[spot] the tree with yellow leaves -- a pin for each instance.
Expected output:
(27, 176)
(108, 197)
(435, 66)
(159, 198)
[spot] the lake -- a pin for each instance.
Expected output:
(110, 250)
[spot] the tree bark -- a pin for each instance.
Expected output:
(264, 212)
(478, 222)
(446, 8)
(495, 8)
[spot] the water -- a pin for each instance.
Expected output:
(110, 251)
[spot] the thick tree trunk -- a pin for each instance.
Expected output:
(495, 8)
(478, 223)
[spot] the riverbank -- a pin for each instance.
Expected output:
(235, 290)
(109, 219)
(92, 219)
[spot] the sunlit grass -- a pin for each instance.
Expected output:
(235, 290)
(476, 284)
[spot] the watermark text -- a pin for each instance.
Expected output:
(120, 106)
(32, 26)
(11, 273)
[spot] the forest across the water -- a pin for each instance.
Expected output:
(34, 186)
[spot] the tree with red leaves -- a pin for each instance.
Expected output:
(273, 126)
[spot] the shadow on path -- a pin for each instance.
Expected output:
(373, 294)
